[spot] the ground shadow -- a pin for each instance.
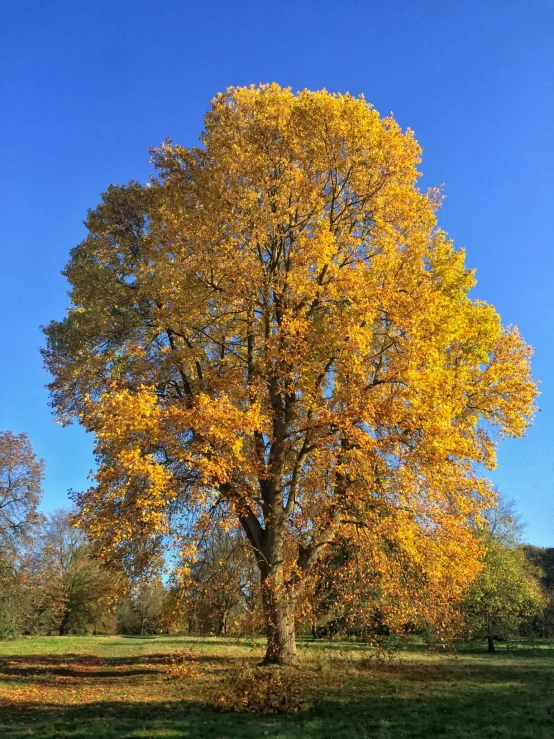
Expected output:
(86, 667)
(474, 698)
(489, 713)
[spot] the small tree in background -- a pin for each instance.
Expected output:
(543, 558)
(507, 593)
(217, 585)
(59, 586)
(21, 475)
(84, 584)
(142, 610)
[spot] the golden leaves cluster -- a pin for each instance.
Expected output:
(276, 323)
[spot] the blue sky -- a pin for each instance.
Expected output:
(86, 87)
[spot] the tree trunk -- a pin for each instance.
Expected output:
(490, 641)
(222, 624)
(279, 624)
(64, 624)
(278, 597)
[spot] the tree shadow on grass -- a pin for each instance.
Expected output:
(500, 712)
(87, 667)
(481, 697)
(142, 637)
(507, 649)
(460, 671)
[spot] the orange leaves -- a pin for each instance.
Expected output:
(276, 328)
(261, 690)
(122, 413)
(504, 395)
(220, 429)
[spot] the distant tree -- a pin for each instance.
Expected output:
(142, 609)
(543, 559)
(21, 475)
(507, 593)
(39, 597)
(60, 587)
(219, 589)
(86, 586)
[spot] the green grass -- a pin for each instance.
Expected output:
(118, 687)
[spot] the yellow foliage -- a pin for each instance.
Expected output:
(276, 327)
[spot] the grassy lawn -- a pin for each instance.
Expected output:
(119, 687)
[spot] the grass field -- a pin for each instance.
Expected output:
(119, 687)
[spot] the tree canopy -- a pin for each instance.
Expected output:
(21, 475)
(507, 593)
(275, 330)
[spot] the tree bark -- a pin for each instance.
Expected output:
(279, 614)
(62, 631)
(490, 642)
(222, 624)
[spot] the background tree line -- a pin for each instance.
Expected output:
(52, 580)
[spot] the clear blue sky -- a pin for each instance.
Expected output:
(86, 87)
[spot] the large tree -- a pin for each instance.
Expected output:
(274, 327)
